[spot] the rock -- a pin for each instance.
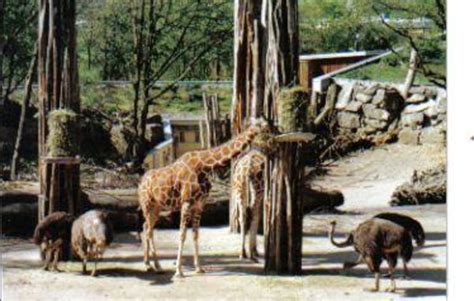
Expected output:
(413, 120)
(348, 120)
(409, 136)
(362, 97)
(372, 89)
(417, 90)
(431, 93)
(375, 123)
(379, 97)
(416, 98)
(433, 135)
(371, 111)
(344, 97)
(431, 112)
(354, 106)
(415, 108)
(442, 104)
(358, 88)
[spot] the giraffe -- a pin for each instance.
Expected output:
(184, 185)
(248, 172)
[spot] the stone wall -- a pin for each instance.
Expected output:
(375, 108)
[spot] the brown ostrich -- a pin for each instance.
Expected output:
(53, 235)
(375, 240)
(91, 234)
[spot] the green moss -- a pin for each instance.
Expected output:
(292, 107)
(63, 130)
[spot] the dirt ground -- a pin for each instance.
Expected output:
(365, 182)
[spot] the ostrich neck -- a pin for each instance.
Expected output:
(345, 243)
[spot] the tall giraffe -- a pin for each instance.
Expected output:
(248, 172)
(184, 185)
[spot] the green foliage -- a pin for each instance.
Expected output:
(184, 29)
(19, 34)
(335, 26)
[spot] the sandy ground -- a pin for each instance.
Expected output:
(122, 275)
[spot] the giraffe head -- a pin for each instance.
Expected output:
(257, 126)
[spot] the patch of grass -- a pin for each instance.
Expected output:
(389, 71)
(184, 99)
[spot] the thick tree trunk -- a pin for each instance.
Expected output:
(58, 87)
(249, 58)
(410, 78)
(2, 43)
(283, 202)
(24, 107)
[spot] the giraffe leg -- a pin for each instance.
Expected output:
(243, 228)
(254, 228)
(185, 212)
(196, 223)
(156, 263)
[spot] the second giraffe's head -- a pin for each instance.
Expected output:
(259, 125)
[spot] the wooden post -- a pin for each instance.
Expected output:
(58, 88)
(215, 127)
(249, 75)
(283, 205)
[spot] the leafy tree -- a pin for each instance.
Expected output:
(429, 42)
(17, 38)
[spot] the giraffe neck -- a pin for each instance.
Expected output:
(221, 156)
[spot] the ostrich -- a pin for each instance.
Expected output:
(53, 235)
(409, 223)
(91, 234)
(375, 240)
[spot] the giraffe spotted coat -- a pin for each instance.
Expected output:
(248, 176)
(184, 186)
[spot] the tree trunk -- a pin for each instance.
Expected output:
(24, 107)
(249, 58)
(2, 43)
(283, 202)
(410, 78)
(58, 87)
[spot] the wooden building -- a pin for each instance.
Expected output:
(181, 136)
(314, 65)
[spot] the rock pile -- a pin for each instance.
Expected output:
(369, 109)
(374, 109)
(423, 119)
